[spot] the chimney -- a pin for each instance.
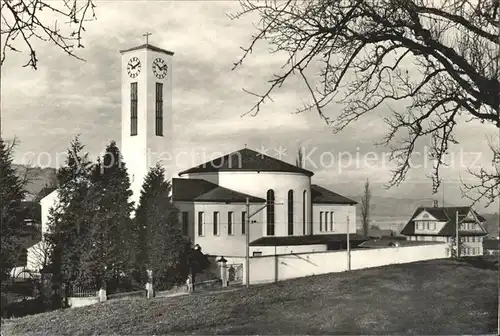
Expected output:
(435, 203)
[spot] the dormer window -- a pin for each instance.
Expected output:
(426, 225)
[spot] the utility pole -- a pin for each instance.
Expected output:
(457, 245)
(247, 231)
(348, 247)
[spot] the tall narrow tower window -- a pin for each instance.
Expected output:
(159, 109)
(270, 213)
(133, 108)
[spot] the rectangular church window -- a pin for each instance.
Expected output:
(230, 223)
(159, 109)
(133, 108)
(216, 223)
(201, 216)
(243, 222)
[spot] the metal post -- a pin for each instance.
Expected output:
(247, 231)
(348, 247)
(457, 242)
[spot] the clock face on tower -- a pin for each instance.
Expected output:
(134, 67)
(160, 68)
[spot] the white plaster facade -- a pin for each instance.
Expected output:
(143, 150)
(334, 218)
(258, 183)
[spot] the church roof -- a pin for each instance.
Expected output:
(325, 196)
(198, 190)
(246, 160)
(150, 47)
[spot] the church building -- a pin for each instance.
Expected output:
(286, 211)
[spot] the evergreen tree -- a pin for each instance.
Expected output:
(11, 195)
(107, 255)
(161, 246)
(69, 219)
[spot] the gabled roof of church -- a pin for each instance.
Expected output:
(444, 214)
(150, 47)
(198, 190)
(325, 196)
(246, 160)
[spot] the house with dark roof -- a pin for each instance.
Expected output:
(444, 224)
(282, 200)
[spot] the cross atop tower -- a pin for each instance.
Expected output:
(147, 35)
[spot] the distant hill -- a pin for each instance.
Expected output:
(38, 178)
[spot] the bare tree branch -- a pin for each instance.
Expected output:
(488, 185)
(24, 22)
(441, 58)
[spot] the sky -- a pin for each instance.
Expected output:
(46, 108)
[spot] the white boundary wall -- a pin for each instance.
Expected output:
(271, 268)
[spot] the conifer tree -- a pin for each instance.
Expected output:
(11, 195)
(107, 254)
(69, 219)
(162, 248)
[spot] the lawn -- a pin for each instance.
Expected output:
(433, 297)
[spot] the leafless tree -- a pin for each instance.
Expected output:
(441, 58)
(488, 185)
(365, 208)
(299, 161)
(24, 21)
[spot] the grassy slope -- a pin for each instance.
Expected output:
(436, 297)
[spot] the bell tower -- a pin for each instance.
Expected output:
(146, 125)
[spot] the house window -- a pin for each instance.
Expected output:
(243, 222)
(159, 109)
(185, 225)
(257, 254)
(332, 220)
(304, 202)
(201, 216)
(290, 212)
(216, 223)
(230, 223)
(270, 213)
(133, 108)
(321, 221)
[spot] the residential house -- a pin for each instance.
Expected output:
(440, 224)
